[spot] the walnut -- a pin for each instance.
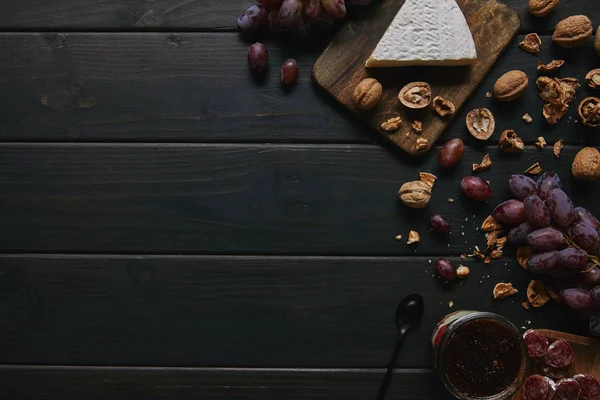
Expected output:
(550, 89)
(415, 194)
(413, 237)
(502, 290)
(491, 224)
(557, 148)
(510, 142)
(486, 163)
(531, 43)
(415, 95)
(391, 124)
(573, 31)
(367, 93)
(480, 123)
(569, 86)
(428, 178)
(589, 111)
(417, 126)
(541, 8)
(527, 118)
(593, 78)
(540, 142)
(511, 85)
(421, 143)
(536, 294)
(524, 253)
(551, 66)
(554, 112)
(534, 169)
(586, 165)
(443, 107)
(462, 271)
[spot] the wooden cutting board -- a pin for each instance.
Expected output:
(587, 355)
(342, 66)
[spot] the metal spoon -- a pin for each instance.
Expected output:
(408, 315)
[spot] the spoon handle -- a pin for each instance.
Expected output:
(388, 374)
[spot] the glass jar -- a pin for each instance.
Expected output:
(478, 352)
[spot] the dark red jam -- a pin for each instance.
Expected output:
(482, 358)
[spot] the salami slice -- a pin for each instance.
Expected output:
(560, 354)
(555, 373)
(590, 388)
(537, 343)
(537, 387)
(567, 389)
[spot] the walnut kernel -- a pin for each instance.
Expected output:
(421, 143)
(391, 124)
(367, 93)
(462, 271)
(443, 107)
(531, 43)
(413, 237)
(510, 142)
(540, 142)
(550, 89)
(486, 163)
(415, 95)
(557, 148)
(502, 290)
(589, 111)
(534, 169)
(527, 118)
(417, 126)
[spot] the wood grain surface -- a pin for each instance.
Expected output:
(239, 311)
(342, 66)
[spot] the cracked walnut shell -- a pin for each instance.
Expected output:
(415, 95)
(367, 93)
(531, 43)
(502, 290)
(541, 8)
(536, 293)
(415, 194)
(586, 165)
(486, 163)
(551, 66)
(443, 107)
(510, 142)
(573, 31)
(589, 111)
(511, 85)
(550, 89)
(593, 78)
(480, 123)
(554, 112)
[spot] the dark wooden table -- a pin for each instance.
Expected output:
(171, 229)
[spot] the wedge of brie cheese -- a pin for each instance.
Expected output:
(426, 32)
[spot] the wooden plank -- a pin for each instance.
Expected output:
(194, 87)
(204, 15)
(342, 66)
(64, 383)
(239, 311)
(242, 199)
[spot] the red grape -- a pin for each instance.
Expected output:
(542, 262)
(289, 72)
(536, 211)
(289, 15)
(439, 224)
(560, 207)
(270, 4)
(335, 8)
(522, 186)
(572, 258)
(586, 237)
(545, 239)
(253, 19)
(476, 188)
(578, 299)
(581, 214)
(451, 153)
(518, 235)
(510, 212)
(586, 279)
(547, 182)
(445, 269)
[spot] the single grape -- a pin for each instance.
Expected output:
(451, 153)
(510, 212)
(253, 19)
(586, 237)
(542, 262)
(289, 72)
(476, 188)
(536, 211)
(578, 299)
(445, 268)
(289, 15)
(312, 9)
(572, 258)
(270, 4)
(335, 8)
(581, 214)
(548, 181)
(595, 293)
(439, 224)
(545, 239)
(595, 326)
(522, 186)
(560, 207)
(518, 235)
(258, 58)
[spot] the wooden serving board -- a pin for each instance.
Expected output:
(342, 66)
(587, 355)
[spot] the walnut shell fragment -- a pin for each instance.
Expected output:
(415, 95)
(540, 143)
(531, 43)
(462, 271)
(486, 163)
(417, 126)
(510, 142)
(502, 290)
(527, 118)
(511, 85)
(550, 89)
(593, 78)
(413, 237)
(481, 123)
(573, 31)
(557, 148)
(490, 225)
(391, 124)
(524, 253)
(443, 107)
(534, 169)
(554, 112)
(367, 93)
(551, 66)
(569, 86)
(589, 111)
(536, 293)
(428, 178)
(541, 8)
(415, 194)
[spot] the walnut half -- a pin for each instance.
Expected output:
(531, 43)
(443, 107)
(510, 142)
(502, 290)
(589, 111)
(480, 123)
(415, 95)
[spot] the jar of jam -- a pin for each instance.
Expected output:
(479, 355)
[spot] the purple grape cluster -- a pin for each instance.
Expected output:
(564, 238)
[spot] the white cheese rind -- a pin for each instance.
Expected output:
(426, 32)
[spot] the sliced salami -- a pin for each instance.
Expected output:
(567, 389)
(537, 387)
(552, 388)
(555, 373)
(590, 388)
(559, 354)
(537, 343)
